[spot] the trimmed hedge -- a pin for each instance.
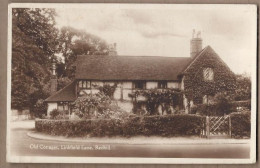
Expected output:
(168, 125)
(240, 124)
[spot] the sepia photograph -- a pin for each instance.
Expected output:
(131, 83)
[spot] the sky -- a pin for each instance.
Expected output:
(166, 30)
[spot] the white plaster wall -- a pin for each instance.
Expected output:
(117, 93)
(127, 85)
(126, 94)
(185, 104)
(173, 84)
(109, 83)
(182, 83)
(151, 85)
(51, 106)
(87, 91)
(98, 83)
(94, 91)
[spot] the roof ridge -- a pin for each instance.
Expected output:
(195, 57)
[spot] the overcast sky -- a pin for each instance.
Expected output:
(166, 30)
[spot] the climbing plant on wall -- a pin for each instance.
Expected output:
(195, 86)
(168, 99)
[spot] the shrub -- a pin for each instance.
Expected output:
(240, 124)
(91, 104)
(108, 90)
(58, 114)
(168, 125)
(54, 113)
(241, 105)
(217, 109)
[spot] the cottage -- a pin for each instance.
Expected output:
(146, 72)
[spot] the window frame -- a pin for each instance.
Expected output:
(62, 106)
(84, 84)
(162, 83)
(137, 83)
(210, 70)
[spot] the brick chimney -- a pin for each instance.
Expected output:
(54, 80)
(112, 49)
(195, 43)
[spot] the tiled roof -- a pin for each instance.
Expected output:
(103, 67)
(65, 94)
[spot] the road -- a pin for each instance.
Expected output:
(23, 145)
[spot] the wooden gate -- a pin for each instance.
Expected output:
(218, 126)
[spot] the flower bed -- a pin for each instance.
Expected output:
(168, 125)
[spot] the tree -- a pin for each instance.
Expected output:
(243, 87)
(33, 46)
(73, 42)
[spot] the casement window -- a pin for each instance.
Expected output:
(84, 84)
(139, 85)
(208, 74)
(162, 85)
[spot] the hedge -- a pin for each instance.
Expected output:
(168, 125)
(240, 124)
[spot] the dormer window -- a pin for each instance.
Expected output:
(208, 74)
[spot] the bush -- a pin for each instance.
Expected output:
(90, 105)
(240, 124)
(168, 125)
(219, 110)
(58, 114)
(241, 105)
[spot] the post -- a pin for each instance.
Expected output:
(229, 123)
(207, 126)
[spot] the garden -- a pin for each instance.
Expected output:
(98, 115)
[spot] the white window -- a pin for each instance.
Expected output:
(208, 74)
(162, 84)
(84, 84)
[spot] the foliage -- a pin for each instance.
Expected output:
(168, 125)
(33, 45)
(54, 113)
(167, 99)
(90, 105)
(98, 106)
(62, 82)
(221, 108)
(241, 105)
(20, 94)
(195, 85)
(241, 124)
(35, 40)
(73, 42)
(41, 108)
(108, 90)
(243, 87)
(223, 103)
(58, 114)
